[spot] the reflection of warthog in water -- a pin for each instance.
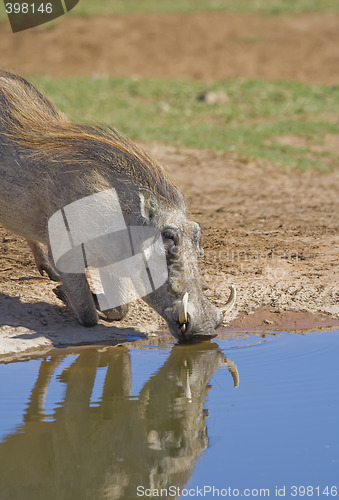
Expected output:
(107, 449)
(47, 163)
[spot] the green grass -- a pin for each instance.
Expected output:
(252, 121)
(270, 7)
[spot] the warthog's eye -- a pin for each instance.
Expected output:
(170, 236)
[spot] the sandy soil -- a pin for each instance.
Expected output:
(205, 46)
(270, 232)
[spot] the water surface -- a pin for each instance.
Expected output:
(235, 415)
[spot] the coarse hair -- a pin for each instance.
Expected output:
(31, 122)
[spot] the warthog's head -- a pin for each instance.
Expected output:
(181, 300)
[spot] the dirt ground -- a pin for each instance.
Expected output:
(270, 232)
(208, 46)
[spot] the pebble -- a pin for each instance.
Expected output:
(213, 97)
(22, 329)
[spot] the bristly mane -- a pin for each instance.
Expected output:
(31, 121)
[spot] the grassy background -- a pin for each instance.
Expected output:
(252, 121)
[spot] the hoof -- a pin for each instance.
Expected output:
(117, 313)
(114, 314)
(85, 317)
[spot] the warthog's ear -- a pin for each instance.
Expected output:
(148, 204)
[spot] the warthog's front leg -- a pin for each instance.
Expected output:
(42, 261)
(76, 294)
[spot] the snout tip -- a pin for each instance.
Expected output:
(189, 333)
(190, 326)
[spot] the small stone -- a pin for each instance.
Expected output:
(268, 322)
(213, 97)
(22, 329)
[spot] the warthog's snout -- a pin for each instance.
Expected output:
(195, 327)
(188, 321)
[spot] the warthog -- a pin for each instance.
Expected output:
(48, 163)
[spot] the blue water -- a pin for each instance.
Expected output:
(280, 427)
(224, 418)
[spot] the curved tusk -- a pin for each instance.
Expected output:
(183, 309)
(231, 300)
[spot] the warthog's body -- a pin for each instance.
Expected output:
(47, 162)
